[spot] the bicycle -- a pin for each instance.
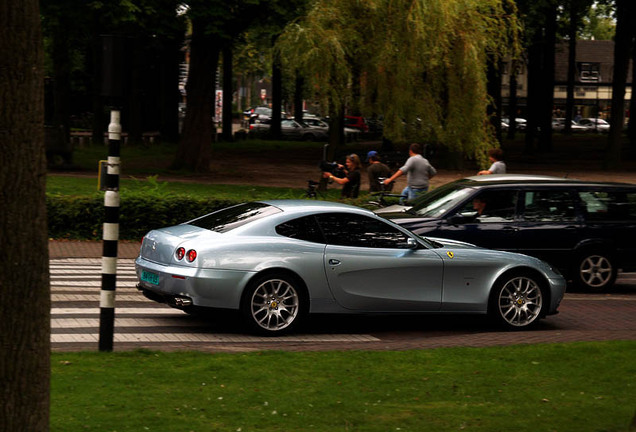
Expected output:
(312, 189)
(385, 192)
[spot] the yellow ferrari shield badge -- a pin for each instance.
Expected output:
(450, 254)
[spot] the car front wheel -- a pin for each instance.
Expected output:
(595, 271)
(273, 304)
(517, 301)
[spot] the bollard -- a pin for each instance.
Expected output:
(110, 236)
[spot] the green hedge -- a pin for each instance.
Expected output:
(82, 217)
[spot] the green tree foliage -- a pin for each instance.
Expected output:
(420, 64)
(598, 23)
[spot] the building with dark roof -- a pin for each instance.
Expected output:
(593, 80)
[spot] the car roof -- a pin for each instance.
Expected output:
(304, 206)
(525, 179)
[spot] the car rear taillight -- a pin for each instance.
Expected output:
(192, 255)
(179, 253)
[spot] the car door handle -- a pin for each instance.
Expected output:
(334, 262)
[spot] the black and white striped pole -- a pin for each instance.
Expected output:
(110, 236)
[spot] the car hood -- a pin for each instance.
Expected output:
(396, 208)
(446, 243)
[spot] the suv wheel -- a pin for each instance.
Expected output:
(595, 271)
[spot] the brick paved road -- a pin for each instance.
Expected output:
(141, 323)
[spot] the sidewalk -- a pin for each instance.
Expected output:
(90, 249)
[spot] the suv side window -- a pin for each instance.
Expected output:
(608, 205)
(345, 229)
(549, 206)
(492, 206)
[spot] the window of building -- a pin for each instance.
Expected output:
(589, 72)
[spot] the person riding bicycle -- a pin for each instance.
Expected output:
(350, 183)
(377, 170)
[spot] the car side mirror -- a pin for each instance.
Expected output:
(411, 243)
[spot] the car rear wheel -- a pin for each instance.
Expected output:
(273, 304)
(517, 301)
(595, 271)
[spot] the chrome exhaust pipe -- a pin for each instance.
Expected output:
(183, 301)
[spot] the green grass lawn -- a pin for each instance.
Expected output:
(555, 387)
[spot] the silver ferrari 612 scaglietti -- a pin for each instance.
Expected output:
(277, 261)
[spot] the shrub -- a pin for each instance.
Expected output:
(82, 217)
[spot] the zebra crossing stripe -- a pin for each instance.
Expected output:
(206, 337)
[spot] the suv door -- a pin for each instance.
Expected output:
(608, 236)
(486, 219)
(549, 225)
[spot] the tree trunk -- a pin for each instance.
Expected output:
(534, 83)
(569, 103)
(277, 100)
(135, 54)
(227, 92)
(24, 279)
(512, 101)
(62, 79)
(494, 91)
(631, 130)
(195, 146)
(298, 95)
(547, 80)
(622, 49)
(169, 93)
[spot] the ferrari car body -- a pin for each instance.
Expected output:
(276, 261)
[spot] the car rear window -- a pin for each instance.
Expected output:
(231, 218)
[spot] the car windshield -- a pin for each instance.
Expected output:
(440, 200)
(230, 218)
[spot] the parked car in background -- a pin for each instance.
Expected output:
(520, 123)
(275, 262)
(351, 134)
(585, 229)
(357, 122)
(291, 129)
(558, 124)
(594, 124)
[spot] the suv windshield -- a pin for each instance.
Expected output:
(440, 200)
(230, 218)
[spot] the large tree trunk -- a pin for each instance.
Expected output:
(195, 146)
(24, 279)
(625, 11)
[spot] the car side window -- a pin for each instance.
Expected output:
(304, 228)
(608, 205)
(549, 206)
(346, 229)
(491, 206)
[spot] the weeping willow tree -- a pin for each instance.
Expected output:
(421, 64)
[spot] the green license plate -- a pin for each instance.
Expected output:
(150, 277)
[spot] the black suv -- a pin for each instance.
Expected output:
(585, 229)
